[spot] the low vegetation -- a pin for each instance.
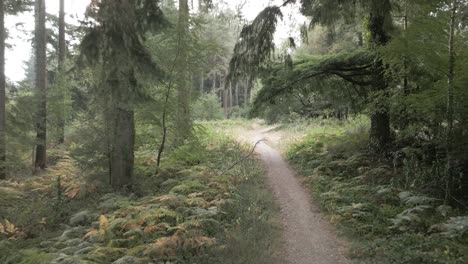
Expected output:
(185, 213)
(384, 207)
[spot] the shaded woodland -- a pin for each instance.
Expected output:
(111, 149)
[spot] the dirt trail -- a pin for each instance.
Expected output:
(309, 239)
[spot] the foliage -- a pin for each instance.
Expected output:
(190, 214)
(207, 108)
(363, 197)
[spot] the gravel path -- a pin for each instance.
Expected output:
(309, 239)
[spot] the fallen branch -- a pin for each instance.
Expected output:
(241, 160)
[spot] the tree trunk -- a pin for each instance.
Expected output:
(183, 122)
(213, 87)
(380, 132)
(3, 170)
(237, 95)
(225, 96)
(122, 151)
(380, 135)
(246, 93)
(41, 85)
(61, 60)
(230, 98)
(202, 84)
(405, 60)
(450, 102)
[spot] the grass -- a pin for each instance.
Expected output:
(186, 213)
(361, 194)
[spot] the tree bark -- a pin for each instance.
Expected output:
(246, 92)
(225, 96)
(213, 87)
(405, 60)
(380, 135)
(3, 170)
(41, 85)
(61, 60)
(450, 102)
(184, 122)
(237, 95)
(230, 98)
(122, 153)
(202, 84)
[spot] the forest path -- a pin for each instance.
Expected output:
(308, 237)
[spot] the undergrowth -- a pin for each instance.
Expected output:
(387, 221)
(184, 212)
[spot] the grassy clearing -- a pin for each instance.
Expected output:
(186, 213)
(386, 222)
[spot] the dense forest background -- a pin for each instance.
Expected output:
(110, 129)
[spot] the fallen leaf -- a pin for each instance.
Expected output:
(90, 234)
(73, 192)
(9, 227)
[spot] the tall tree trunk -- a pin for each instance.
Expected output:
(61, 60)
(380, 135)
(213, 87)
(230, 98)
(450, 101)
(246, 93)
(202, 84)
(41, 85)
(3, 171)
(225, 96)
(122, 153)
(237, 95)
(183, 122)
(405, 60)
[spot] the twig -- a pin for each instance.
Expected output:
(462, 204)
(241, 160)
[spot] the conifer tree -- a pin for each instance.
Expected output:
(2, 93)
(183, 122)
(116, 45)
(40, 41)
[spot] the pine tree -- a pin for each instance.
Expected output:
(61, 60)
(183, 122)
(450, 99)
(41, 84)
(2, 93)
(116, 45)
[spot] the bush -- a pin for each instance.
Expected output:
(207, 108)
(366, 197)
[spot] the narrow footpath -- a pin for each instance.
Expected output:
(309, 238)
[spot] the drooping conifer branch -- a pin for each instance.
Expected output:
(355, 68)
